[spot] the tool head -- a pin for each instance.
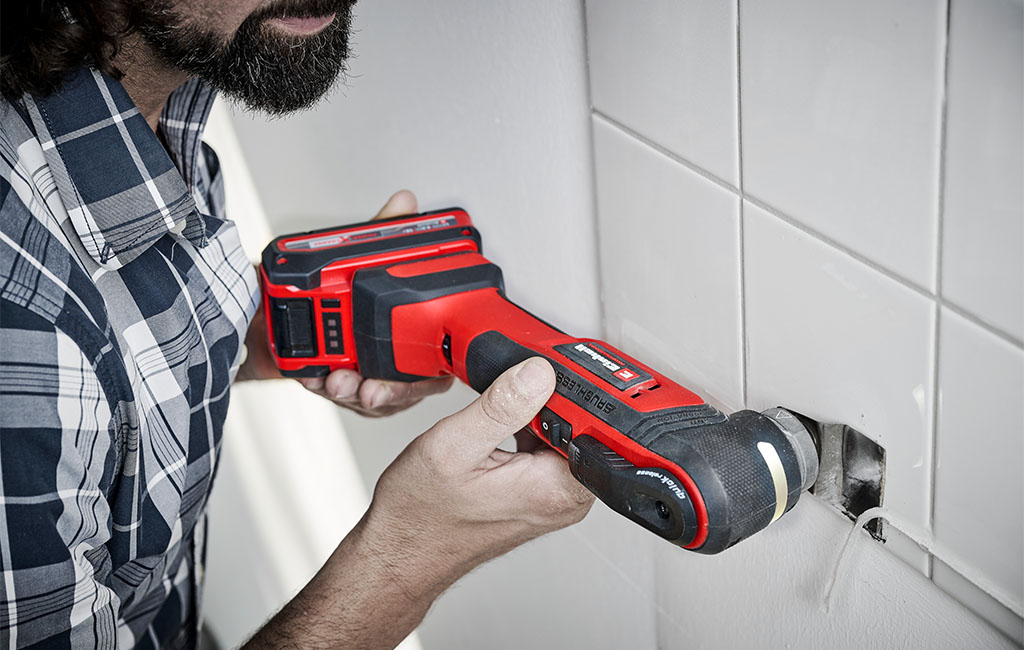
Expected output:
(802, 440)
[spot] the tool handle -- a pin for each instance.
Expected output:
(686, 472)
(646, 446)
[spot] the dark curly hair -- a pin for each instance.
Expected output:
(42, 40)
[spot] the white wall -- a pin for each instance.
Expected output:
(799, 201)
(833, 220)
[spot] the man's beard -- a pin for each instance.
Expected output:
(264, 68)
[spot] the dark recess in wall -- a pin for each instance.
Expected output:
(851, 474)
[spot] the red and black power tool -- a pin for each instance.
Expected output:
(413, 297)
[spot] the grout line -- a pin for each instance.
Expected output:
(602, 312)
(739, 103)
(940, 220)
(744, 339)
(892, 275)
(909, 284)
(775, 212)
(937, 332)
(988, 327)
(611, 121)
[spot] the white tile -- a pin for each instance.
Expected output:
(840, 342)
(978, 601)
(667, 70)
(983, 238)
(840, 121)
(669, 246)
(979, 489)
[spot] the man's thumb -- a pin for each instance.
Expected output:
(508, 405)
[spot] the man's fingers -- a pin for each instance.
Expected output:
(375, 393)
(526, 441)
(315, 384)
(463, 440)
(342, 384)
(401, 202)
(558, 471)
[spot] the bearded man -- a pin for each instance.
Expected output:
(126, 306)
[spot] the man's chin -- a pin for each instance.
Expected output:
(277, 64)
(277, 104)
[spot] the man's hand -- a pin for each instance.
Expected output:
(450, 501)
(369, 397)
(452, 493)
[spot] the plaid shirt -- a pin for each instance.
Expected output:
(124, 301)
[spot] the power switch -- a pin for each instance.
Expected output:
(557, 430)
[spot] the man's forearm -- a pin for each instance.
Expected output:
(370, 594)
(450, 501)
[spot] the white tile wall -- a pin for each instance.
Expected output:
(840, 112)
(670, 271)
(841, 342)
(841, 174)
(667, 70)
(983, 234)
(979, 486)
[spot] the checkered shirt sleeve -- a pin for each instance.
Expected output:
(54, 519)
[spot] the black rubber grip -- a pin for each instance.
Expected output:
(491, 354)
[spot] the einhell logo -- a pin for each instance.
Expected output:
(604, 361)
(603, 364)
(625, 374)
